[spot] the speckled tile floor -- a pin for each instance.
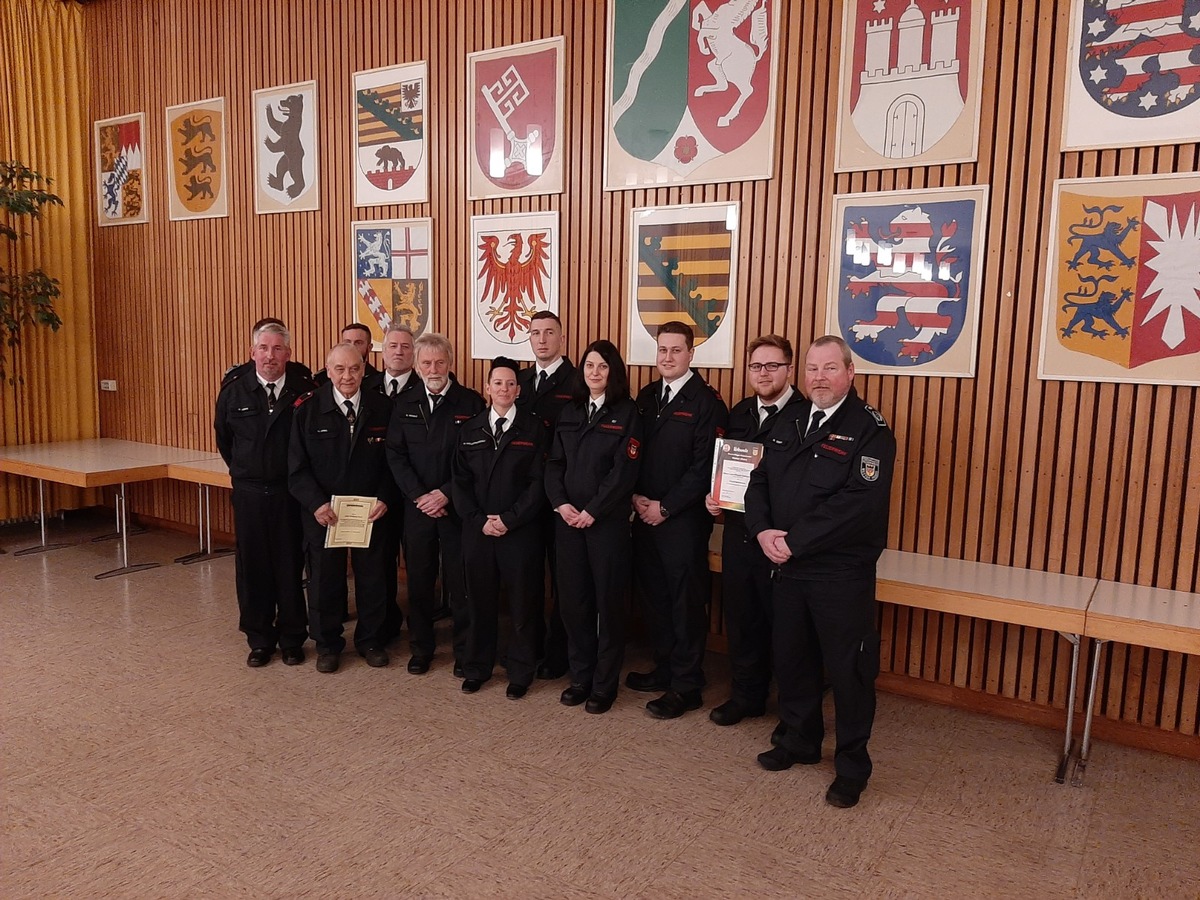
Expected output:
(142, 758)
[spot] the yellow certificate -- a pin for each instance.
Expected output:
(352, 528)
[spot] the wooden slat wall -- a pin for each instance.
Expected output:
(1091, 479)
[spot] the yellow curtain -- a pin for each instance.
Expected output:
(43, 124)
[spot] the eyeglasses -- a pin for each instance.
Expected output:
(771, 367)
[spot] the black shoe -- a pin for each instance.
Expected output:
(733, 711)
(781, 758)
(674, 704)
(574, 695)
(418, 665)
(548, 672)
(292, 656)
(778, 733)
(328, 663)
(598, 705)
(648, 682)
(376, 657)
(458, 671)
(844, 792)
(516, 691)
(471, 685)
(259, 656)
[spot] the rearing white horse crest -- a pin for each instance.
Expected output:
(733, 60)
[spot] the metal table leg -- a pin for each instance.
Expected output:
(121, 526)
(123, 531)
(206, 551)
(43, 547)
(1085, 746)
(1061, 774)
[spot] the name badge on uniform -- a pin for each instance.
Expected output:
(868, 468)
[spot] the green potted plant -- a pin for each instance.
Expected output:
(26, 297)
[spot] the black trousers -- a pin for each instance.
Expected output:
(393, 531)
(827, 627)
(512, 563)
(551, 632)
(426, 542)
(671, 565)
(269, 566)
(327, 591)
(593, 573)
(746, 603)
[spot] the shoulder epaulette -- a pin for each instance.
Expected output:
(877, 416)
(300, 400)
(232, 374)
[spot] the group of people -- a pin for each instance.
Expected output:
(562, 465)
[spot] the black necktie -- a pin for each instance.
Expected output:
(542, 379)
(666, 395)
(593, 408)
(436, 399)
(769, 410)
(271, 398)
(816, 422)
(500, 428)
(351, 417)
(395, 388)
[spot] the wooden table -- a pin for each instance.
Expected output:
(205, 474)
(99, 462)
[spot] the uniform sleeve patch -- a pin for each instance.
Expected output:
(868, 468)
(633, 448)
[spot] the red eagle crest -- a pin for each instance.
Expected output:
(513, 287)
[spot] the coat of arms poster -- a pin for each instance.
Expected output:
(391, 148)
(1123, 282)
(198, 186)
(393, 275)
(691, 91)
(121, 171)
(683, 263)
(285, 149)
(904, 286)
(910, 81)
(1133, 74)
(515, 259)
(515, 131)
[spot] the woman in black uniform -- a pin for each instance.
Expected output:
(590, 477)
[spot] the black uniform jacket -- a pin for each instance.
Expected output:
(679, 442)
(421, 444)
(744, 426)
(233, 373)
(594, 465)
(253, 443)
(548, 404)
(324, 458)
(829, 491)
(500, 479)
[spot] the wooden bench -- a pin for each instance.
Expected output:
(984, 591)
(1142, 616)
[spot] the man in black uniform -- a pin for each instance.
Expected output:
(682, 416)
(253, 424)
(818, 506)
(545, 390)
(745, 572)
(293, 367)
(359, 336)
(499, 494)
(397, 380)
(338, 448)
(421, 444)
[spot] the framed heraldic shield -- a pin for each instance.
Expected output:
(691, 92)
(683, 266)
(285, 149)
(904, 283)
(393, 275)
(391, 145)
(516, 259)
(910, 82)
(515, 128)
(1133, 74)
(121, 171)
(197, 167)
(1123, 281)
